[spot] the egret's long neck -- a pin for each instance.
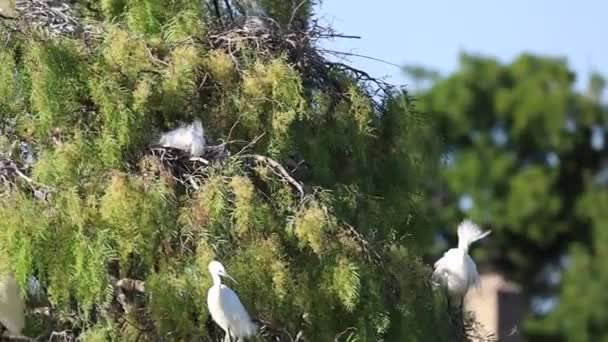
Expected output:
(216, 279)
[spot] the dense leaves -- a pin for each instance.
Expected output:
(525, 156)
(99, 208)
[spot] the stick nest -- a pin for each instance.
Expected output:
(266, 38)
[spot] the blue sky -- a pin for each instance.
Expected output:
(433, 32)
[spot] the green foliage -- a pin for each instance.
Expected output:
(112, 8)
(324, 262)
(12, 85)
(289, 13)
(519, 146)
(56, 74)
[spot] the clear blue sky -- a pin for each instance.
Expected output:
(433, 32)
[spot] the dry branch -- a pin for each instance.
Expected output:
(131, 285)
(10, 172)
(282, 172)
(370, 252)
(266, 38)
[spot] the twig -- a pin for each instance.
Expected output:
(42, 311)
(350, 329)
(193, 183)
(367, 248)
(156, 59)
(281, 169)
(130, 285)
(333, 52)
(40, 190)
(229, 9)
(238, 120)
(199, 159)
(62, 334)
(253, 142)
(337, 35)
(293, 13)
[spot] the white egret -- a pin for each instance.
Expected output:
(190, 138)
(12, 312)
(225, 307)
(456, 270)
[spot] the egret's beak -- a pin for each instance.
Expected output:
(230, 277)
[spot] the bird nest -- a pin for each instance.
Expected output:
(187, 170)
(266, 38)
(50, 17)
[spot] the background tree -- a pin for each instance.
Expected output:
(311, 193)
(525, 156)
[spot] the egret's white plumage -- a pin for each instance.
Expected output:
(225, 307)
(456, 270)
(190, 138)
(12, 312)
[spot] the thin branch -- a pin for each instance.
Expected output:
(229, 8)
(238, 120)
(363, 76)
(337, 35)
(367, 248)
(293, 13)
(281, 170)
(40, 190)
(333, 52)
(131, 285)
(216, 5)
(253, 142)
(350, 329)
(199, 159)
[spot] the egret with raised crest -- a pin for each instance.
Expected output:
(456, 270)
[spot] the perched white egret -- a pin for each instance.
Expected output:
(190, 138)
(225, 307)
(12, 313)
(456, 270)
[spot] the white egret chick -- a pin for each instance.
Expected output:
(12, 311)
(456, 270)
(226, 309)
(190, 138)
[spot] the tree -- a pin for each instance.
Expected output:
(310, 191)
(525, 157)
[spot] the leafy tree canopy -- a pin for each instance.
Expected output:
(89, 205)
(525, 155)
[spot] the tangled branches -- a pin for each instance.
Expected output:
(56, 16)
(11, 173)
(190, 171)
(301, 48)
(50, 17)
(186, 170)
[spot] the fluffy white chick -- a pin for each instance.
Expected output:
(190, 138)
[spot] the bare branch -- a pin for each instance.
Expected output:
(200, 160)
(281, 170)
(9, 168)
(131, 285)
(364, 244)
(294, 12)
(333, 52)
(253, 142)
